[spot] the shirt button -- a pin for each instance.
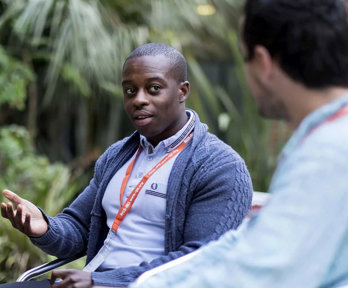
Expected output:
(149, 158)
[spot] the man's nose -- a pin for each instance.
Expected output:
(141, 98)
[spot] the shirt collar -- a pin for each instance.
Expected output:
(173, 141)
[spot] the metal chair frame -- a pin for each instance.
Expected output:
(46, 267)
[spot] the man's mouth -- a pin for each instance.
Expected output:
(141, 117)
(142, 120)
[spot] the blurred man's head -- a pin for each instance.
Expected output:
(308, 38)
(293, 44)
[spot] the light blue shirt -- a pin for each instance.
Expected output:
(300, 238)
(140, 237)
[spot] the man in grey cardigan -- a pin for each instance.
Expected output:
(159, 194)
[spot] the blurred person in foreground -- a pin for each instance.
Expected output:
(296, 64)
(159, 194)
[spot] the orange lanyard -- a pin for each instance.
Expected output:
(123, 211)
(341, 112)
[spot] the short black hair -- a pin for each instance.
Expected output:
(177, 60)
(308, 38)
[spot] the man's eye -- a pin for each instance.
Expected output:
(155, 88)
(129, 91)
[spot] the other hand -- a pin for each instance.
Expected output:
(71, 278)
(23, 215)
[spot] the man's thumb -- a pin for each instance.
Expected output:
(12, 196)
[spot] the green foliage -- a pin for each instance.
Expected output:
(74, 77)
(74, 32)
(26, 173)
(33, 177)
(14, 77)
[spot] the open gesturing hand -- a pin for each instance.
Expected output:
(23, 215)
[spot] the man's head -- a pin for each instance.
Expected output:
(308, 38)
(176, 59)
(155, 89)
(293, 44)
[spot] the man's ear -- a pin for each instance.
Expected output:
(184, 91)
(263, 62)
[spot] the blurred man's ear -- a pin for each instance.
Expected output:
(263, 62)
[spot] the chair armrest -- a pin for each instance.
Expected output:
(42, 269)
(148, 274)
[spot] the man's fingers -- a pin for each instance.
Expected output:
(71, 278)
(60, 275)
(26, 227)
(15, 217)
(9, 210)
(4, 210)
(53, 278)
(12, 196)
(18, 219)
(10, 214)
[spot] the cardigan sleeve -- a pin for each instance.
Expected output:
(221, 198)
(68, 231)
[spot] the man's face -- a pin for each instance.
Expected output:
(263, 88)
(153, 99)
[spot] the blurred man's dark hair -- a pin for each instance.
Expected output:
(307, 37)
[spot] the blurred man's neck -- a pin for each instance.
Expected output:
(304, 101)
